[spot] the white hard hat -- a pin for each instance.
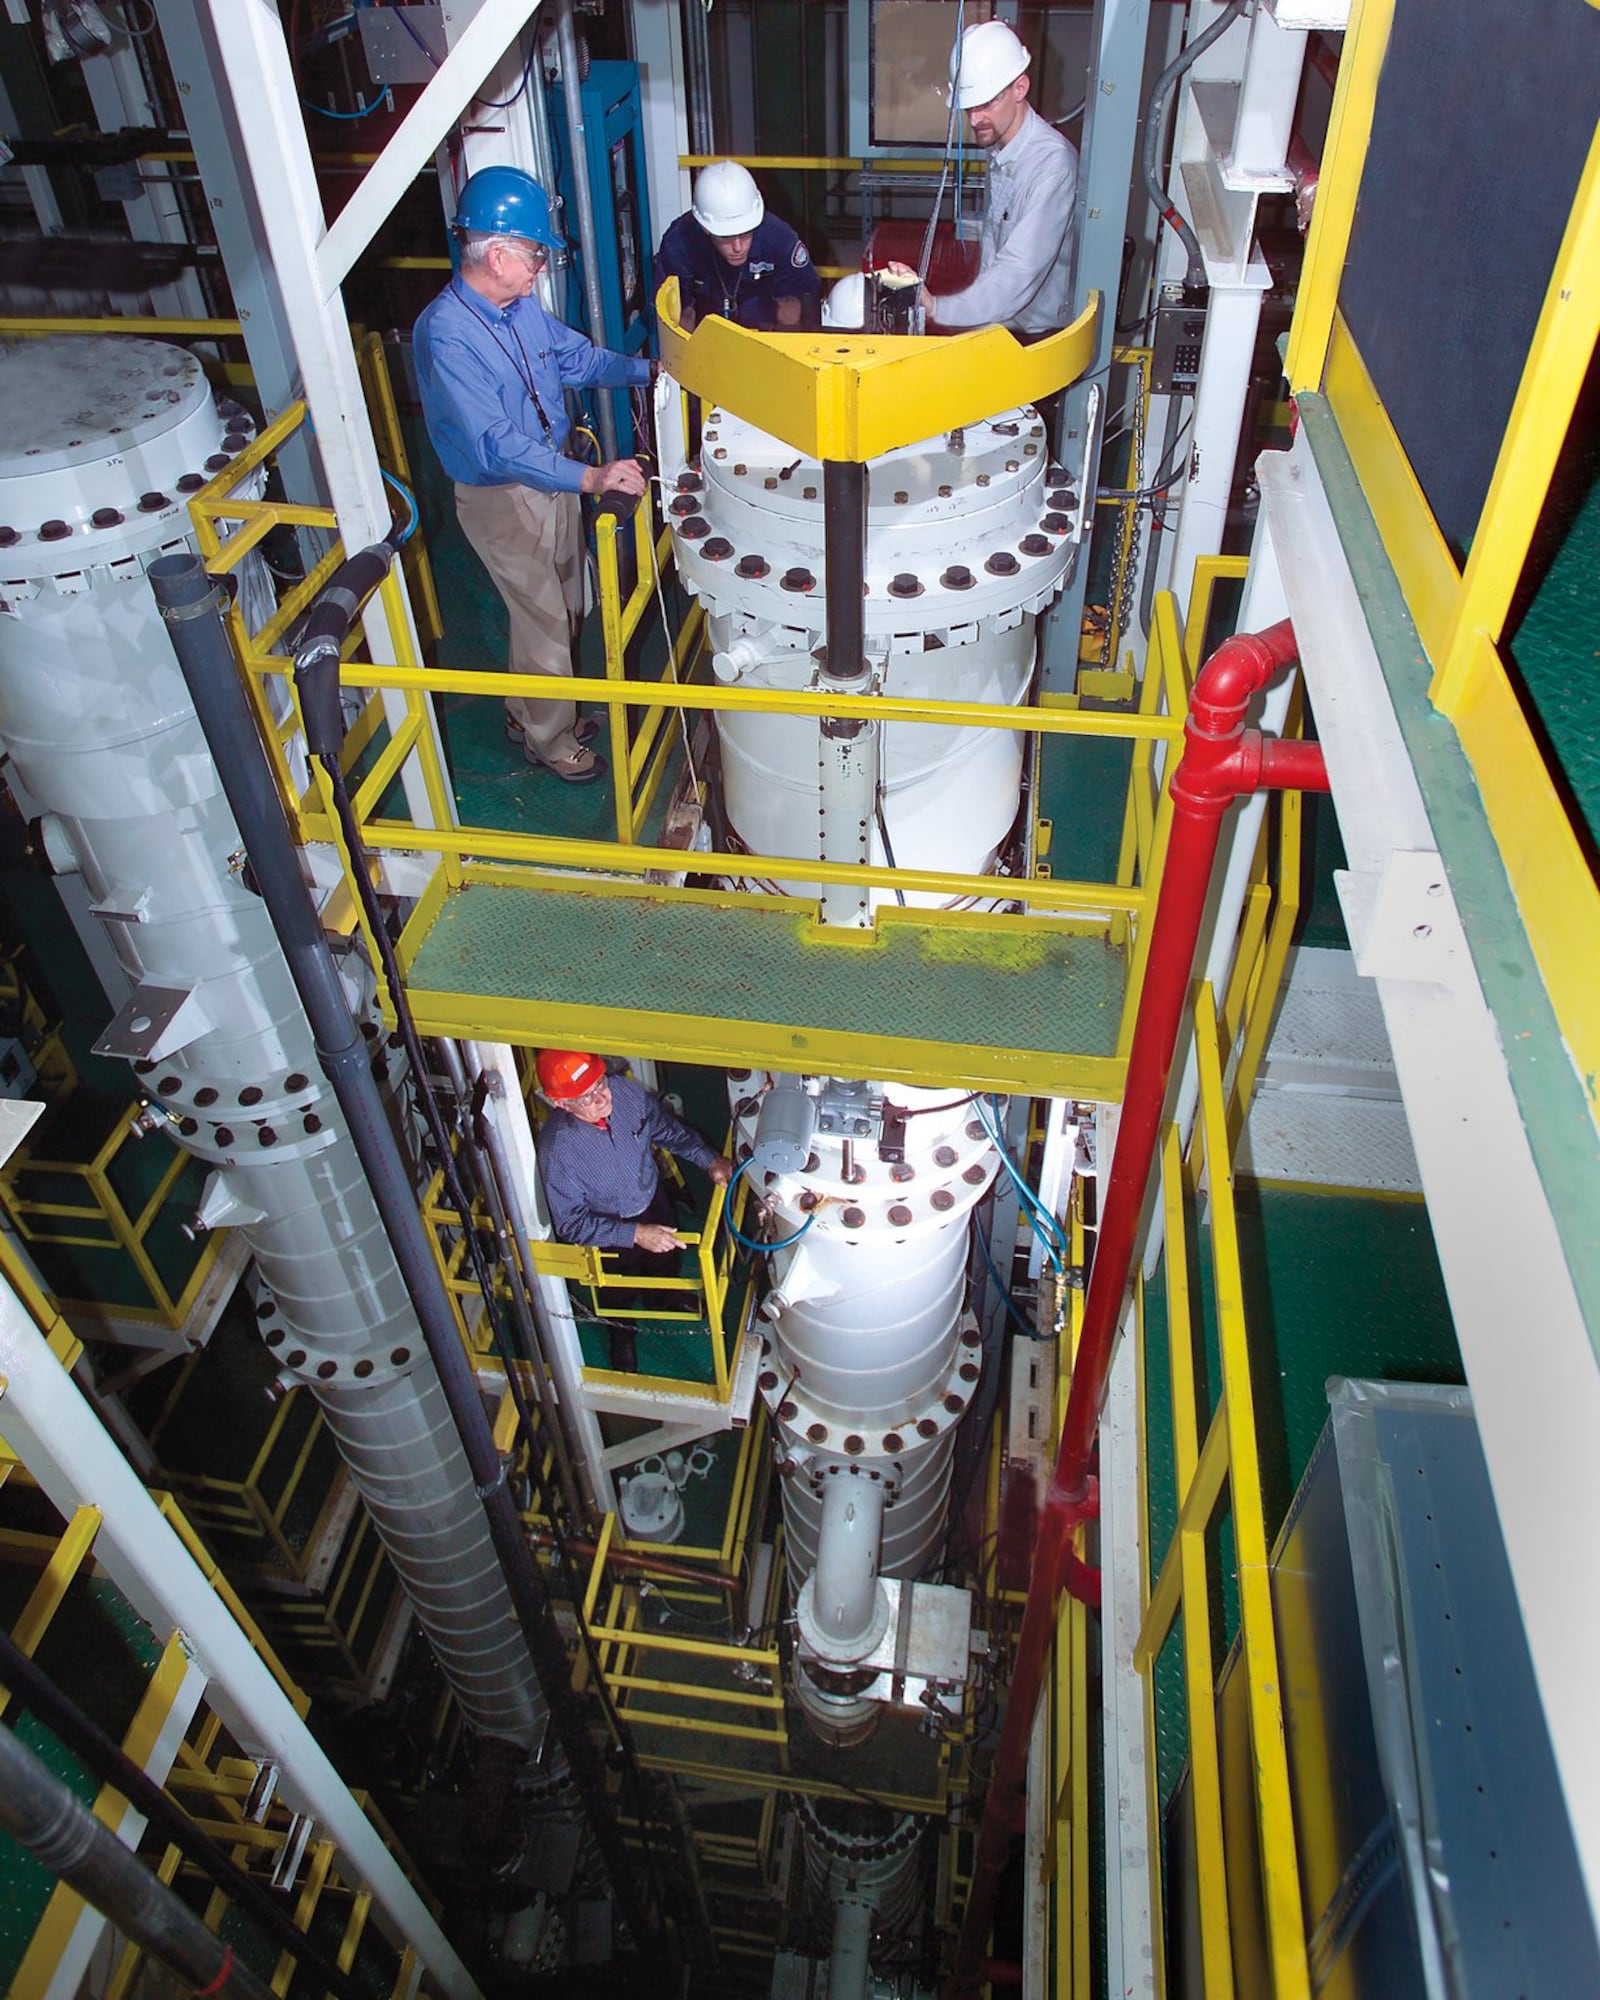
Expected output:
(727, 201)
(991, 57)
(845, 308)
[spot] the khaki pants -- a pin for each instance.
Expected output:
(531, 544)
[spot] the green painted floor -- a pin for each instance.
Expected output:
(1556, 646)
(1052, 990)
(1333, 1285)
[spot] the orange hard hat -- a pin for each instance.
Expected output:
(568, 1073)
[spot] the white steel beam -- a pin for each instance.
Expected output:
(47, 1423)
(1526, 1349)
(664, 97)
(448, 92)
(1131, 1948)
(246, 43)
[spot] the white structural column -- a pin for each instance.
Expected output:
(120, 96)
(1527, 1352)
(52, 1430)
(1130, 1944)
(663, 97)
(1235, 111)
(245, 41)
(563, 1351)
(474, 52)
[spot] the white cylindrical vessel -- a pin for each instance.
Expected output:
(869, 1363)
(864, 1862)
(104, 438)
(965, 544)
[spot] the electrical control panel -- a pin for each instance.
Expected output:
(1175, 348)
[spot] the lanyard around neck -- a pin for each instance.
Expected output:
(522, 367)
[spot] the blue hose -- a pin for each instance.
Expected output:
(1054, 1242)
(345, 117)
(1000, 1285)
(738, 1235)
(411, 506)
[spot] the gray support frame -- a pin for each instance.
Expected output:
(1111, 123)
(236, 218)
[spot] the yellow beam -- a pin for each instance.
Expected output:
(853, 396)
(1344, 156)
(184, 329)
(1558, 360)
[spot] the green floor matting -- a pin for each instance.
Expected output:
(1333, 1285)
(1011, 1004)
(1556, 647)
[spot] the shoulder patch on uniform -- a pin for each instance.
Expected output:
(799, 256)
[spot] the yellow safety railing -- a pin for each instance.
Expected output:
(249, 1518)
(1217, 1471)
(707, 1285)
(1170, 666)
(214, 1783)
(27, 1020)
(372, 363)
(642, 713)
(710, 1685)
(33, 1191)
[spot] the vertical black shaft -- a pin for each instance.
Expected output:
(190, 607)
(844, 527)
(38, 1693)
(40, 1814)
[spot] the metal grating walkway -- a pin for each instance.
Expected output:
(1002, 1003)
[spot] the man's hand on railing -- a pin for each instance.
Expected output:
(617, 475)
(656, 1236)
(720, 1170)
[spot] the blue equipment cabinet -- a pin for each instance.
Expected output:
(614, 136)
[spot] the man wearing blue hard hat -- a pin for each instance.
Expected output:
(491, 368)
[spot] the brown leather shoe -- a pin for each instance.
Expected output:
(586, 729)
(583, 767)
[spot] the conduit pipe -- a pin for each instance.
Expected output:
(851, 1948)
(520, 1603)
(47, 1703)
(843, 1609)
(40, 1814)
(588, 239)
(1222, 761)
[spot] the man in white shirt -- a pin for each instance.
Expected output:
(1026, 247)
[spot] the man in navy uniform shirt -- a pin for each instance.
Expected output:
(731, 258)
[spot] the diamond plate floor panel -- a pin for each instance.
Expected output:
(1328, 1111)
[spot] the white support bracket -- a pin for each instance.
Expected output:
(421, 132)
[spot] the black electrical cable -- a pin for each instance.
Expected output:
(316, 674)
(190, 608)
(1164, 478)
(39, 1694)
(1154, 117)
(883, 833)
(41, 1815)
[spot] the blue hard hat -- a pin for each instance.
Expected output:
(504, 201)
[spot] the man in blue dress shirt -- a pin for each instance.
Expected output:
(597, 1166)
(733, 260)
(491, 368)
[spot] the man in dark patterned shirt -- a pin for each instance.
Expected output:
(598, 1169)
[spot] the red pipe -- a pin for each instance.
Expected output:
(1222, 761)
